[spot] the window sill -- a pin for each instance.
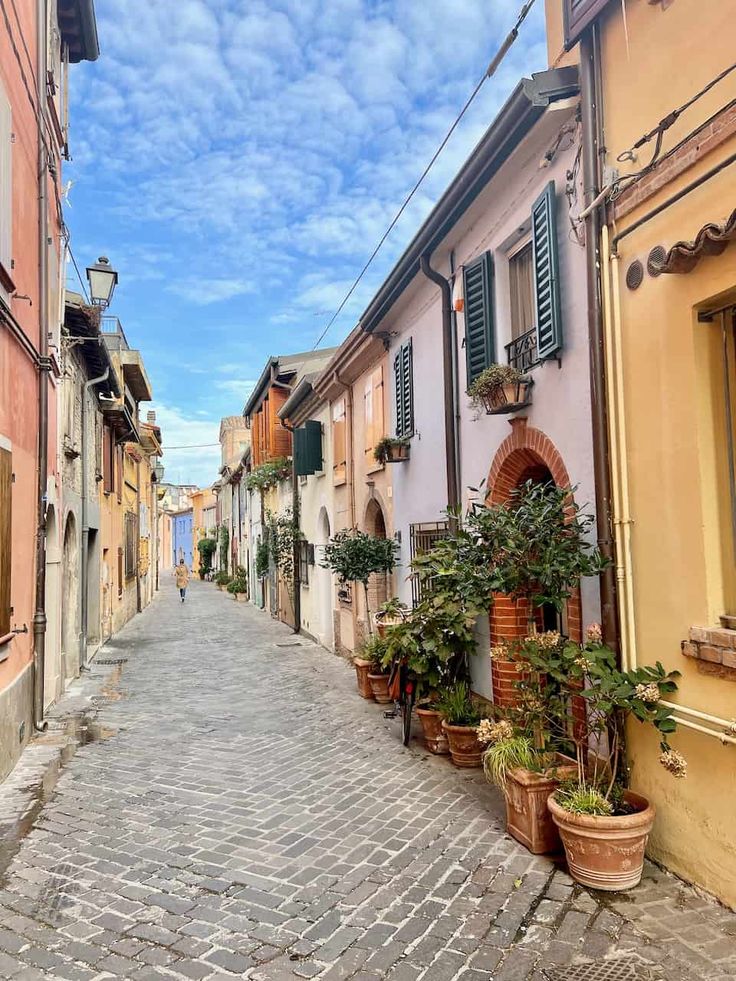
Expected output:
(714, 650)
(339, 481)
(375, 468)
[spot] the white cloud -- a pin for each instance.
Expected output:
(199, 462)
(207, 291)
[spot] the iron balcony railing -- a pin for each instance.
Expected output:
(521, 353)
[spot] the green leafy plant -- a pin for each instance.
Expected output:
(382, 449)
(222, 578)
(509, 754)
(457, 706)
(355, 556)
(283, 534)
(375, 650)
(268, 474)
(206, 548)
(224, 541)
(392, 609)
(239, 582)
(262, 558)
(583, 800)
(486, 387)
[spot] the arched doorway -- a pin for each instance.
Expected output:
(325, 585)
(70, 611)
(378, 585)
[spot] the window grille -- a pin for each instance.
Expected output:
(422, 538)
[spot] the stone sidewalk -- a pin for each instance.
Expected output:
(221, 803)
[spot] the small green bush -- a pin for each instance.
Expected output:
(457, 706)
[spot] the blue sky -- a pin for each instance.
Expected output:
(238, 160)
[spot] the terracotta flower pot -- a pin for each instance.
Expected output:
(362, 670)
(605, 852)
(434, 736)
(383, 623)
(241, 597)
(528, 819)
(465, 749)
(379, 687)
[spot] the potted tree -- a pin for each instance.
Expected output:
(355, 556)
(221, 580)
(460, 720)
(238, 585)
(392, 449)
(603, 825)
(206, 548)
(501, 388)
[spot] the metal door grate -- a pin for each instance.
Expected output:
(615, 969)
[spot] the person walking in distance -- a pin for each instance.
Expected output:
(182, 579)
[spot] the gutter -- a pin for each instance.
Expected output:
(266, 376)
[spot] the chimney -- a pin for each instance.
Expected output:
(151, 415)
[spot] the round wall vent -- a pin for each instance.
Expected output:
(656, 259)
(635, 275)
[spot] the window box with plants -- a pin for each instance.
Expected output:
(500, 389)
(221, 580)
(238, 585)
(392, 449)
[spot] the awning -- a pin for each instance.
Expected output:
(712, 239)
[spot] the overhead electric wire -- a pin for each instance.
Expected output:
(76, 267)
(489, 72)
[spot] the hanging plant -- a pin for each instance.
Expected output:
(224, 546)
(500, 388)
(283, 534)
(262, 558)
(268, 474)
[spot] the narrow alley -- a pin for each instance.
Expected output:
(235, 809)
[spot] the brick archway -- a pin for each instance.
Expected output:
(526, 454)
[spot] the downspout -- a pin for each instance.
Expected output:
(592, 147)
(44, 367)
(138, 604)
(295, 514)
(448, 377)
(84, 564)
(349, 473)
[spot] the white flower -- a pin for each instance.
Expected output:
(674, 762)
(648, 693)
(594, 633)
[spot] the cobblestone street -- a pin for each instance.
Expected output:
(235, 809)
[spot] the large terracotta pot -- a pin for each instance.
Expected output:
(528, 819)
(362, 670)
(383, 624)
(379, 687)
(605, 852)
(241, 597)
(465, 749)
(434, 736)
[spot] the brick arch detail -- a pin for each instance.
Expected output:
(523, 449)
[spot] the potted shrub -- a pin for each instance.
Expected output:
(500, 388)
(221, 580)
(460, 720)
(206, 548)
(391, 613)
(374, 651)
(392, 449)
(355, 556)
(603, 825)
(363, 664)
(238, 585)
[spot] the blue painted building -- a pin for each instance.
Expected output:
(181, 538)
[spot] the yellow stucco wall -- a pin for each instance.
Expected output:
(684, 568)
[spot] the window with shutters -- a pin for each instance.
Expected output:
(546, 275)
(374, 425)
(308, 448)
(339, 442)
(6, 545)
(404, 390)
(578, 15)
(131, 534)
(304, 553)
(108, 460)
(479, 329)
(6, 196)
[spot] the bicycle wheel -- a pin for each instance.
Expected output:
(407, 705)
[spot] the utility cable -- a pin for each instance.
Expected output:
(489, 72)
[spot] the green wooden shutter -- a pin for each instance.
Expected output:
(479, 332)
(313, 445)
(300, 455)
(404, 390)
(546, 274)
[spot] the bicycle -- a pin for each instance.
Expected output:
(404, 684)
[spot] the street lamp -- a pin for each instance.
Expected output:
(159, 471)
(102, 280)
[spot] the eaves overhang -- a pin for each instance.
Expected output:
(78, 28)
(259, 392)
(135, 376)
(82, 326)
(299, 395)
(525, 106)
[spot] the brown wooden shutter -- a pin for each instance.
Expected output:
(255, 438)
(119, 471)
(108, 463)
(120, 572)
(379, 425)
(6, 545)
(339, 452)
(280, 437)
(578, 15)
(373, 413)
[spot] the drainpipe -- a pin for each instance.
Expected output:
(295, 512)
(44, 367)
(138, 604)
(349, 474)
(84, 564)
(448, 373)
(592, 149)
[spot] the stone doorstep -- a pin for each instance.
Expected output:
(714, 648)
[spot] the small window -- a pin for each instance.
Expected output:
(422, 538)
(404, 390)
(305, 549)
(6, 512)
